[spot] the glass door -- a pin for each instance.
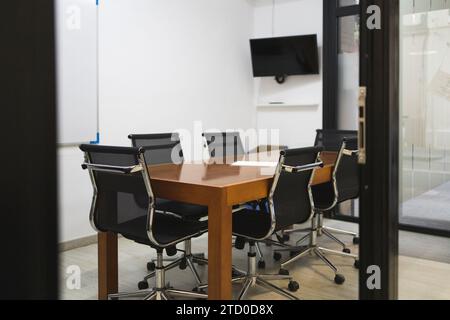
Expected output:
(424, 69)
(424, 149)
(404, 89)
(425, 115)
(405, 71)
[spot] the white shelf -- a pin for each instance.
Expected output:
(287, 105)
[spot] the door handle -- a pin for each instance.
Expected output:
(362, 125)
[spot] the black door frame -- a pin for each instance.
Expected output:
(28, 121)
(379, 201)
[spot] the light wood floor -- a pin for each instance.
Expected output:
(418, 278)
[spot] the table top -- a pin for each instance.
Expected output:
(223, 175)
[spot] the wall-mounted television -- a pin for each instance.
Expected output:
(285, 56)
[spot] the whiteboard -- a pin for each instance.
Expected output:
(77, 70)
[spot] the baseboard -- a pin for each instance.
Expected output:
(77, 243)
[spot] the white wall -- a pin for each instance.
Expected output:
(163, 65)
(75, 194)
(297, 124)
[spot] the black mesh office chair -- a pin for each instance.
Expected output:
(123, 203)
(289, 202)
(165, 148)
(343, 186)
(330, 140)
(224, 147)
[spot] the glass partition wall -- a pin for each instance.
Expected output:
(341, 76)
(348, 88)
(425, 115)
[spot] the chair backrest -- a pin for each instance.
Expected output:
(122, 191)
(224, 144)
(165, 147)
(331, 140)
(346, 171)
(119, 195)
(291, 191)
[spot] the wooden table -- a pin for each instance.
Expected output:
(218, 186)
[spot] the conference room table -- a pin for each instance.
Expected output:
(219, 186)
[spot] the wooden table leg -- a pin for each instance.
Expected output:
(219, 248)
(107, 264)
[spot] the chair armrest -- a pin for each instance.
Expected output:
(268, 148)
(350, 153)
(303, 168)
(111, 169)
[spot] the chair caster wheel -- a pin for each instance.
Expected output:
(277, 256)
(293, 286)
(356, 264)
(346, 250)
(142, 285)
(356, 240)
(183, 264)
(286, 238)
(339, 279)
(283, 272)
(198, 262)
(235, 273)
(151, 266)
(239, 243)
(261, 264)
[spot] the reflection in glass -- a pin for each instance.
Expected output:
(348, 86)
(425, 114)
(348, 72)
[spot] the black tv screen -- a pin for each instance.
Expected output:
(285, 56)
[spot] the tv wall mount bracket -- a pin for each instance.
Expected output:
(280, 79)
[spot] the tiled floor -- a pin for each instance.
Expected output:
(419, 278)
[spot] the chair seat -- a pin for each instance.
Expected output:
(185, 210)
(251, 224)
(166, 229)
